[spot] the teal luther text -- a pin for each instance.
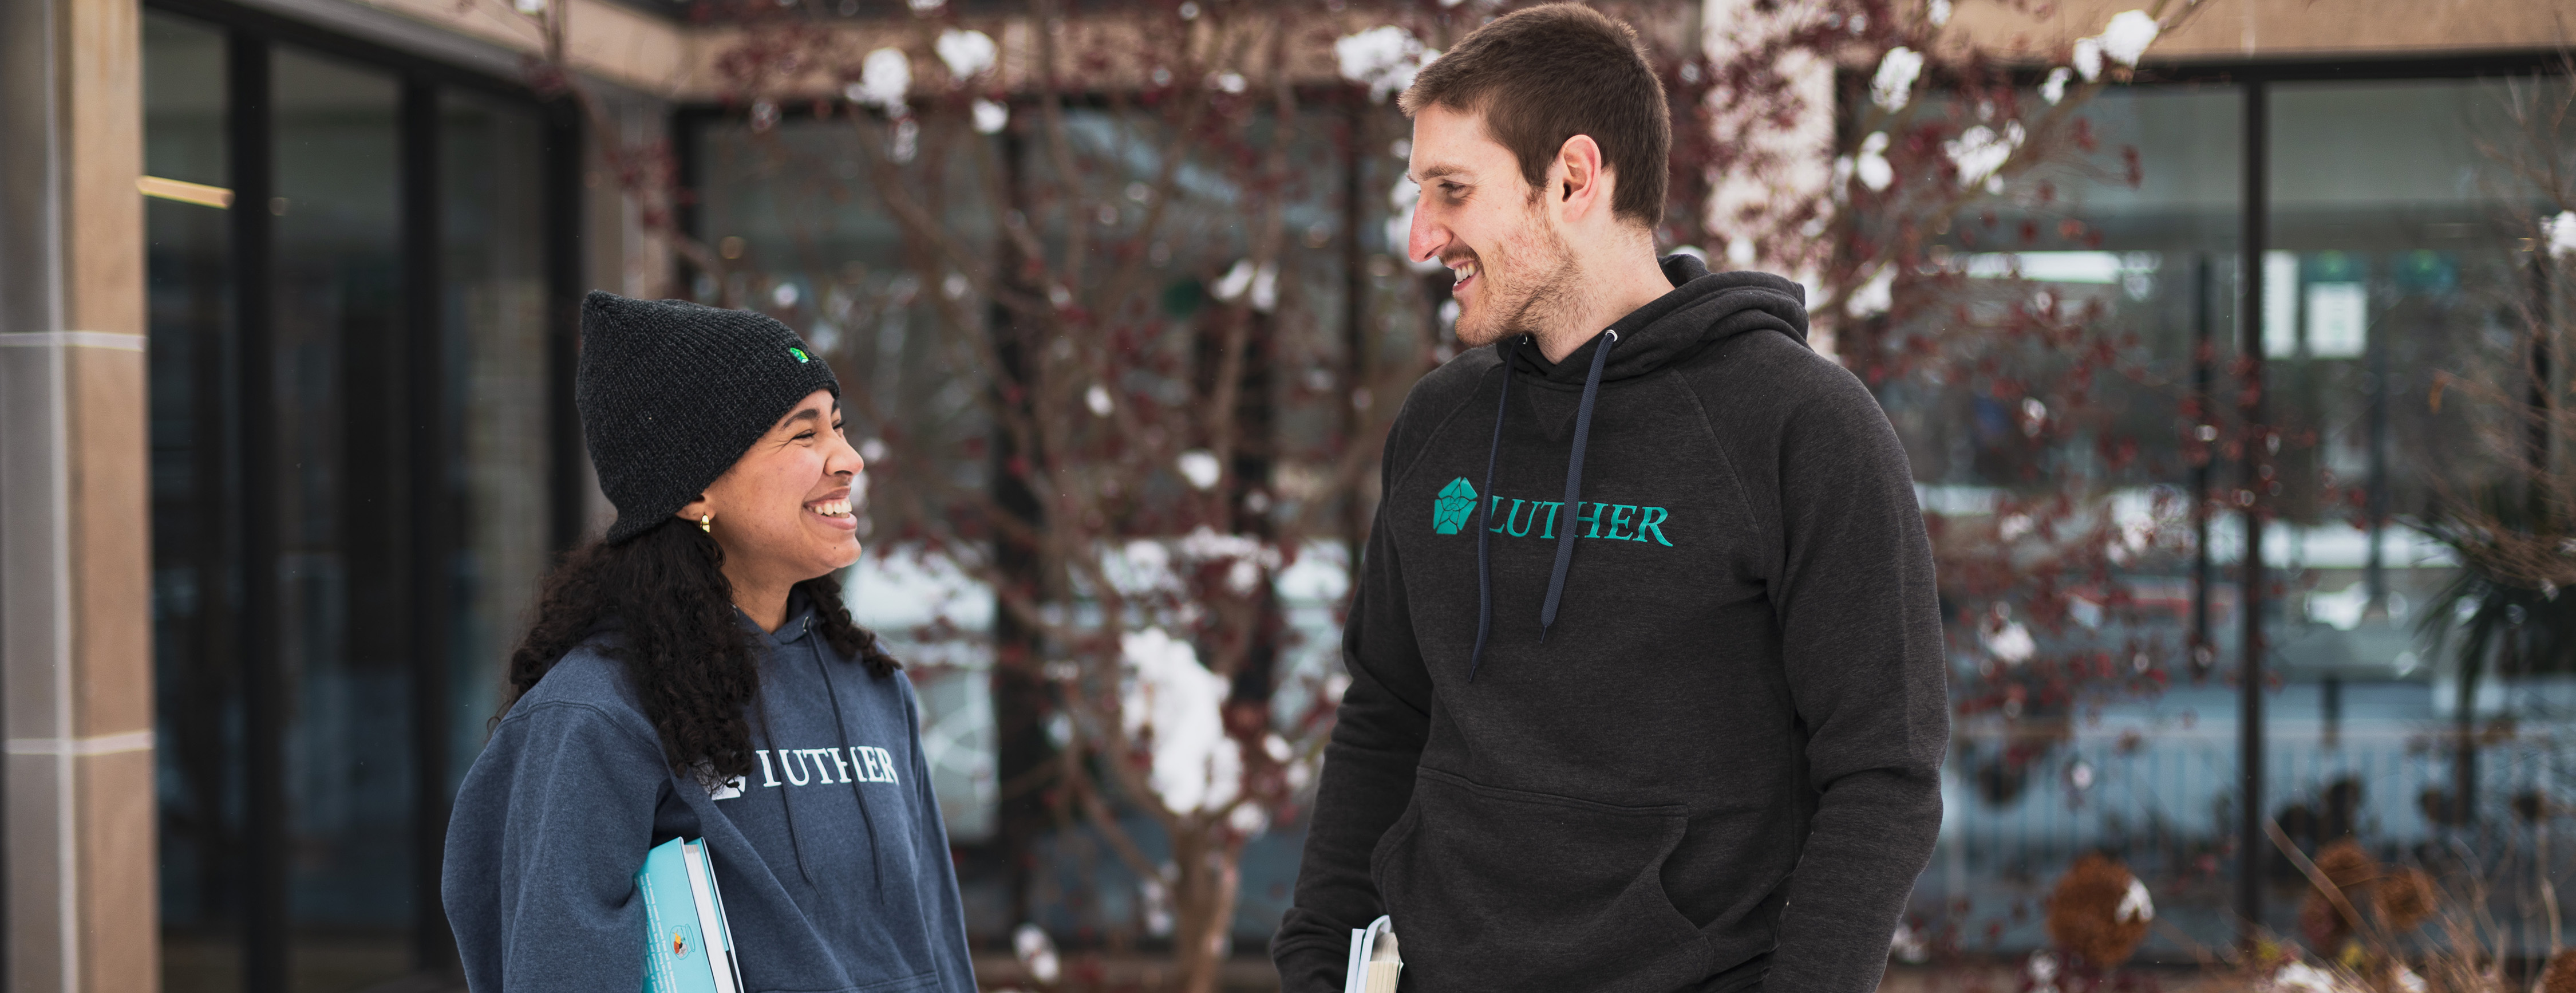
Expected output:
(1615, 521)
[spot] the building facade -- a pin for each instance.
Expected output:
(287, 296)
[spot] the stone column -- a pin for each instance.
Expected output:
(76, 804)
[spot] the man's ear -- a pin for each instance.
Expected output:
(695, 509)
(1584, 180)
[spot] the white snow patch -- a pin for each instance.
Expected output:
(990, 117)
(1199, 466)
(1140, 567)
(1036, 953)
(2560, 234)
(907, 587)
(1907, 945)
(2088, 58)
(2010, 643)
(1384, 58)
(2136, 905)
(1980, 154)
(2126, 38)
(884, 77)
(2300, 977)
(1894, 84)
(1871, 165)
(1173, 705)
(1875, 296)
(967, 53)
(1262, 282)
(2054, 89)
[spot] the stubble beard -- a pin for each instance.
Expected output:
(1547, 294)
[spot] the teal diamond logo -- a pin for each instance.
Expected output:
(1449, 513)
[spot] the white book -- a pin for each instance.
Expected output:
(711, 922)
(1374, 965)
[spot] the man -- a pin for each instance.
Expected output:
(1646, 670)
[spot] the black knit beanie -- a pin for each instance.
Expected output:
(671, 393)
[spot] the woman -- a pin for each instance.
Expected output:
(694, 674)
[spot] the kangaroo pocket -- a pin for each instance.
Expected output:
(1498, 889)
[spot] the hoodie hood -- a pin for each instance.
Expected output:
(1703, 309)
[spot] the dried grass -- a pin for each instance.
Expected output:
(2405, 899)
(2084, 915)
(2560, 977)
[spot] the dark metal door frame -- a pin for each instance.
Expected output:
(434, 521)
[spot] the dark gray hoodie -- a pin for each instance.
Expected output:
(1684, 736)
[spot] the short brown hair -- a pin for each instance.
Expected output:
(1542, 75)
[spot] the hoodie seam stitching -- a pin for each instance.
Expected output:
(1717, 442)
(602, 712)
(1414, 460)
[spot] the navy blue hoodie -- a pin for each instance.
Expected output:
(832, 858)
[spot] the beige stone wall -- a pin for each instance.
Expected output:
(679, 62)
(2278, 29)
(75, 558)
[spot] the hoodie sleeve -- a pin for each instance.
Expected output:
(1367, 779)
(552, 822)
(1862, 647)
(943, 911)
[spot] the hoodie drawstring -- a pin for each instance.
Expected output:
(1572, 506)
(1574, 484)
(1485, 515)
(876, 852)
(786, 798)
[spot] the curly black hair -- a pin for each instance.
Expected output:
(692, 662)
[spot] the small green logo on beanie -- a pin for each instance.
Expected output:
(801, 357)
(1449, 513)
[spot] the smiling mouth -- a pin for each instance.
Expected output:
(1465, 270)
(838, 509)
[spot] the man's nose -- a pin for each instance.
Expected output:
(1427, 237)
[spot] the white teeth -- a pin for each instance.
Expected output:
(832, 508)
(1464, 271)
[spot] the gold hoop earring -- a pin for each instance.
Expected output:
(707, 523)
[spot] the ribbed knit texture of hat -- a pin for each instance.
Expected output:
(671, 393)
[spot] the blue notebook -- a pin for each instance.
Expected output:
(687, 947)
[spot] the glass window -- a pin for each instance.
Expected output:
(190, 300)
(407, 398)
(340, 404)
(2045, 375)
(493, 300)
(2399, 272)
